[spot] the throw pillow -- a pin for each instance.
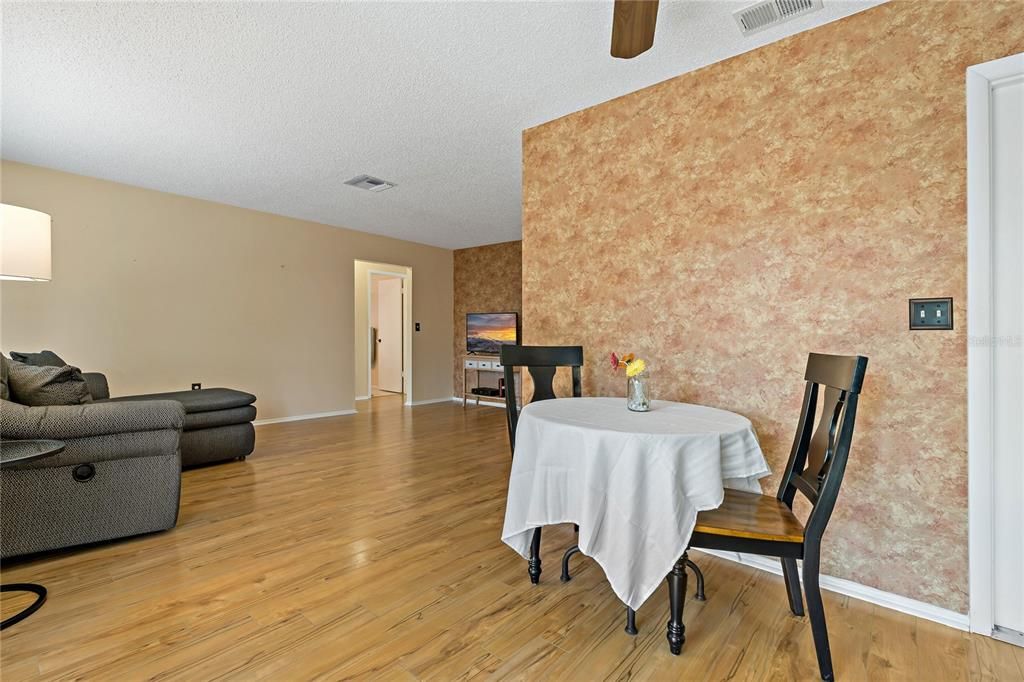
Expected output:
(44, 358)
(5, 393)
(42, 386)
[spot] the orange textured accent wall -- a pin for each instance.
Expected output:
(728, 221)
(487, 279)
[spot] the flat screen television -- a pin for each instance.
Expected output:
(488, 332)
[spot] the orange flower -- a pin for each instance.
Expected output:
(628, 358)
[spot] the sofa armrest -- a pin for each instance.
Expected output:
(63, 422)
(97, 383)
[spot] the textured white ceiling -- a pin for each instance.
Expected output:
(273, 105)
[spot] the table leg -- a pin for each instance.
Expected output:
(676, 594)
(630, 621)
(37, 590)
(534, 564)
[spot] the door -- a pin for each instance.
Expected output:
(389, 335)
(1007, 187)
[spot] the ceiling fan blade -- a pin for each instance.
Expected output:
(633, 27)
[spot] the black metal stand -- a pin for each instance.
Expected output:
(699, 575)
(37, 590)
(575, 549)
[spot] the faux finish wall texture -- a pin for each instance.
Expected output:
(726, 222)
(487, 279)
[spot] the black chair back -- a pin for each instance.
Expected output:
(817, 461)
(541, 362)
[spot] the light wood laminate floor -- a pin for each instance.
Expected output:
(368, 547)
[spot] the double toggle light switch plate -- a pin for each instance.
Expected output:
(931, 313)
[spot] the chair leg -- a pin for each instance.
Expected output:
(816, 613)
(699, 575)
(568, 553)
(789, 573)
(676, 593)
(630, 621)
(533, 565)
(575, 549)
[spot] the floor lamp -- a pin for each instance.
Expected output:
(25, 257)
(24, 244)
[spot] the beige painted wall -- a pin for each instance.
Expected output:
(413, 352)
(159, 290)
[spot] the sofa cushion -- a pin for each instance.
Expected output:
(44, 358)
(68, 422)
(45, 386)
(5, 392)
(205, 400)
(207, 420)
(97, 383)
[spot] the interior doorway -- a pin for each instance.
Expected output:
(383, 334)
(995, 356)
(386, 360)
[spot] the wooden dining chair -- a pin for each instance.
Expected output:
(541, 362)
(766, 525)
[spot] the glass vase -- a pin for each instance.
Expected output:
(638, 395)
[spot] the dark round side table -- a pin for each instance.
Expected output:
(18, 452)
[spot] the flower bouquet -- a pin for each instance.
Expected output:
(638, 396)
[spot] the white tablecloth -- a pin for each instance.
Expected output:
(632, 481)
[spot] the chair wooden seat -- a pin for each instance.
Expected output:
(751, 515)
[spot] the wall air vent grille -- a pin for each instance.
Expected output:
(772, 13)
(370, 183)
(788, 8)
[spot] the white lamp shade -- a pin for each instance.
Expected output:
(24, 244)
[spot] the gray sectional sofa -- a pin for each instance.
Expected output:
(120, 471)
(119, 474)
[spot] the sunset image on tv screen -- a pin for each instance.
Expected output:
(487, 332)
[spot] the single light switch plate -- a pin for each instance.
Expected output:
(931, 313)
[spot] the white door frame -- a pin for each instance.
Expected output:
(406, 278)
(980, 460)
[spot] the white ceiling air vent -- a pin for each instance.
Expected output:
(368, 182)
(771, 13)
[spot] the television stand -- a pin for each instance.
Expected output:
(476, 365)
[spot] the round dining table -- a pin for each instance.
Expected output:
(632, 482)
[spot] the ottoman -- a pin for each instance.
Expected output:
(218, 423)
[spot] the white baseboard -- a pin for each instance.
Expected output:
(430, 401)
(472, 401)
(362, 397)
(302, 417)
(872, 595)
